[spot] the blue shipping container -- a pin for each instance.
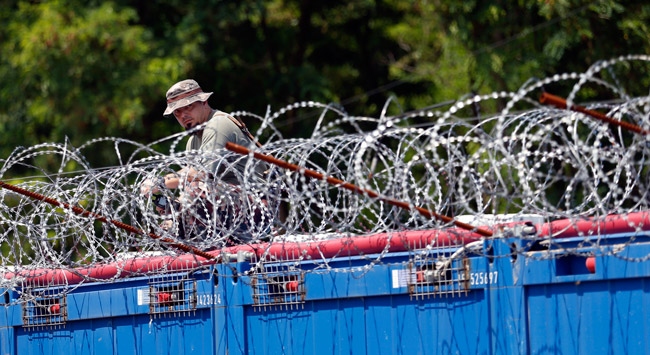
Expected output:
(506, 295)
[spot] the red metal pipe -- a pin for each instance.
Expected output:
(611, 224)
(343, 246)
(559, 102)
(340, 247)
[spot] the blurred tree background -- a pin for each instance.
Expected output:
(80, 70)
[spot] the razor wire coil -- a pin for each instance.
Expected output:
(525, 159)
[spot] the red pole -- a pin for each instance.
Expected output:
(85, 213)
(561, 103)
(346, 185)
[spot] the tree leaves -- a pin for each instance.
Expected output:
(92, 69)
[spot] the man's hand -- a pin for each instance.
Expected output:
(149, 186)
(167, 225)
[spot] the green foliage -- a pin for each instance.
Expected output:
(78, 73)
(484, 47)
(87, 69)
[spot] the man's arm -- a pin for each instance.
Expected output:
(169, 181)
(188, 175)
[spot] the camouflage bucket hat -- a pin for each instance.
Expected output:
(184, 93)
